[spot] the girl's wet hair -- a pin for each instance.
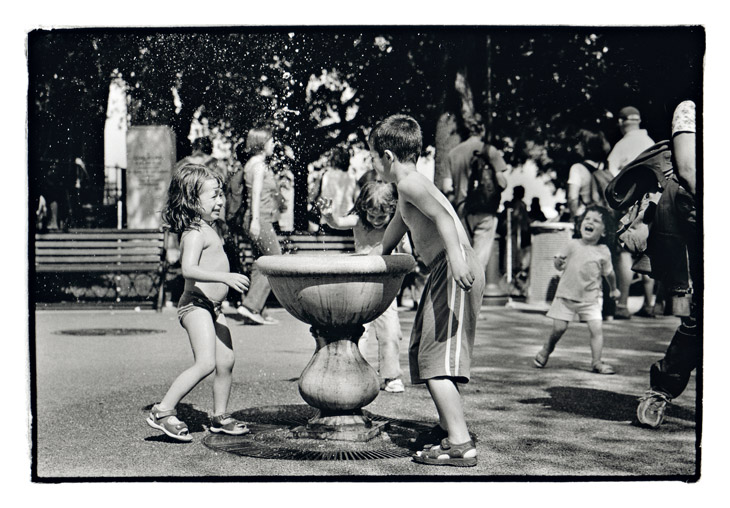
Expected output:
(379, 197)
(182, 210)
(609, 224)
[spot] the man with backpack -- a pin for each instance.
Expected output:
(476, 182)
(634, 141)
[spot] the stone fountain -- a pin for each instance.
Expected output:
(337, 294)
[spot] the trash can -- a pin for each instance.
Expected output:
(547, 239)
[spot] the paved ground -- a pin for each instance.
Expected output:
(92, 392)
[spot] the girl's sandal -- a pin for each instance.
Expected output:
(447, 454)
(167, 422)
(226, 424)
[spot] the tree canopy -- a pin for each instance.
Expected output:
(325, 86)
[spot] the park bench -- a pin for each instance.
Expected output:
(304, 244)
(117, 266)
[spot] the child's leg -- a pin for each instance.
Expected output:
(559, 327)
(446, 397)
(388, 333)
(201, 332)
(224, 361)
(596, 329)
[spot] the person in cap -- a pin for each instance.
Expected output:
(634, 141)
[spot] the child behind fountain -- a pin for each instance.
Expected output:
(368, 219)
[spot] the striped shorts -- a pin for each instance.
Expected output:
(443, 331)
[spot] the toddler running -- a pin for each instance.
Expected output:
(583, 261)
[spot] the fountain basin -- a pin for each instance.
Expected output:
(335, 290)
(337, 294)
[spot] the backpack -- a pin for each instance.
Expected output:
(637, 191)
(483, 194)
(600, 178)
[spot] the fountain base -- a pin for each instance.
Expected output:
(352, 426)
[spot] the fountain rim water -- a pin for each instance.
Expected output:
(303, 265)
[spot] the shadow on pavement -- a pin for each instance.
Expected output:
(600, 404)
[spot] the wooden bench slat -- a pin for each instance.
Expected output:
(329, 246)
(101, 243)
(98, 268)
(121, 239)
(99, 259)
(99, 252)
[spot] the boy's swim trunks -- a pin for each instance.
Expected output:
(443, 331)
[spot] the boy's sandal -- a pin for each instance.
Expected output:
(540, 360)
(226, 424)
(447, 454)
(432, 437)
(603, 368)
(167, 422)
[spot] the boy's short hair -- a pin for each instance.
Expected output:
(400, 134)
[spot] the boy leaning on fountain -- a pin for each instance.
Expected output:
(445, 323)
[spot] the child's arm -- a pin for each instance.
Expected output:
(418, 195)
(561, 258)
(393, 234)
(191, 245)
(346, 222)
(610, 275)
(611, 279)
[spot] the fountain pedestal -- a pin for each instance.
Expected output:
(337, 294)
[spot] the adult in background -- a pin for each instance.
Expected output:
(481, 226)
(536, 214)
(202, 153)
(634, 141)
(262, 210)
(591, 149)
(338, 186)
(676, 217)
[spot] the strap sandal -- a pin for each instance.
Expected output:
(540, 360)
(603, 368)
(167, 422)
(226, 424)
(447, 454)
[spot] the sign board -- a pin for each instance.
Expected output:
(150, 159)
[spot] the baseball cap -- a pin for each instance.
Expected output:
(629, 113)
